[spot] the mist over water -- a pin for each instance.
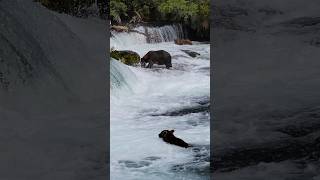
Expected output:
(146, 101)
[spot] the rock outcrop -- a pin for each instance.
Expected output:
(127, 57)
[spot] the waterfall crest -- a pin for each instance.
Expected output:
(166, 33)
(146, 34)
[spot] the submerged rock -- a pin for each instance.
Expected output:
(183, 42)
(187, 110)
(127, 57)
(134, 164)
(152, 158)
(191, 53)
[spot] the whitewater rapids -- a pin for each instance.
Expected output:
(146, 101)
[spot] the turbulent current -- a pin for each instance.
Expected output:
(146, 101)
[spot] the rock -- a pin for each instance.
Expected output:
(120, 28)
(134, 164)
(127, 57)
(183, 42)
(191, 53)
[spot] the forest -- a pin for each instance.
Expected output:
(79, 8)
(193, 14)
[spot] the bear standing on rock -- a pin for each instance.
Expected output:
(160, 57)
(169, 137)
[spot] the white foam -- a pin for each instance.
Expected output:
(134, 133)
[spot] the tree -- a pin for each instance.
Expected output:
(194, 13)
(103, 6)
(76, 7)
(178, 9)
(118, 9)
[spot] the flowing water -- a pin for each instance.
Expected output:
(146, 101)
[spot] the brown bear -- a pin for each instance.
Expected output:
(160, 57)
(169, 137)
(183, 42)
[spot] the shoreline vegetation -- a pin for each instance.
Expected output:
(193, 15)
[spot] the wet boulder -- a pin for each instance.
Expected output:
(127, 57)
(191, 53)
(183, 42)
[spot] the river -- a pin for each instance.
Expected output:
(146, 101)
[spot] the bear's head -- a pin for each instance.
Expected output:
(144, 60)
(165, 133)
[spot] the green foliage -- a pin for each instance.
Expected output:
(117, 9)
(179, 9)
(127, 57)
(134, 11)
(194, 13)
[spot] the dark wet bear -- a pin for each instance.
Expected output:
(160, 57)
(169, 137)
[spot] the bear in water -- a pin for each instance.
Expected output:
(160, 57)
(169, 137)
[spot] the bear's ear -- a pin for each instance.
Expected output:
(172, 131)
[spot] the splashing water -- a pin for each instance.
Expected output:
(146, 101)
(122, 78)
(162, 34)
(143, 35)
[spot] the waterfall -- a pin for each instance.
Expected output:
(146, 34)
(124, 40)
(122, 78)
(162, 34)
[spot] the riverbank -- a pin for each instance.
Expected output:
(192, 34)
